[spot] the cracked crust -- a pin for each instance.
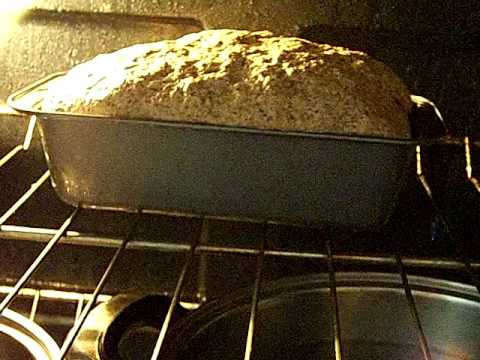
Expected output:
(241, 78)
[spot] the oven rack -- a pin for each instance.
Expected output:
(198, 247)
(35, 296)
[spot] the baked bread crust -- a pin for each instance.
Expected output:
(240, 78)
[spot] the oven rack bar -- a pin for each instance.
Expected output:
(24, 198)
(21, 147)
(422, 339)
(249, 344)
(10, 155)
(37, 262)
(337, 340)
(42, 235)
(73, 333)
(178, 290)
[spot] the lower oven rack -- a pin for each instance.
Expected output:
(199, 246)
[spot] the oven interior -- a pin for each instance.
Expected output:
(197, 261)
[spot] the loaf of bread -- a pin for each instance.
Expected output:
(240, 78)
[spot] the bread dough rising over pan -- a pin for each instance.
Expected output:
(240, 78)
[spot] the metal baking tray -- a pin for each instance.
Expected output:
(217, 171)
(294, 321)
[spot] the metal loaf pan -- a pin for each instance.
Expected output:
(215, 171)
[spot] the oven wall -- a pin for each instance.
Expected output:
(431, 44)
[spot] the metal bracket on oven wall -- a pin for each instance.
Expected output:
(420, 175)
(29, 135)
(468, 165)
(466, 263)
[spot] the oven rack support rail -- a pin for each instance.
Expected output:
(38, 295)
(53, 237)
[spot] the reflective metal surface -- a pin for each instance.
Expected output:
(22, 339)
(125, 327)
(294, 321)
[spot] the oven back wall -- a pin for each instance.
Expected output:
(431, 44)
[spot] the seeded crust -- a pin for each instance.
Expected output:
(240, 78)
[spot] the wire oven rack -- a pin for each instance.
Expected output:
(85, 302)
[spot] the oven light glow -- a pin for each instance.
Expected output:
(14, 7)
(10, 13)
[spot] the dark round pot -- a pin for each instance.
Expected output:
(295, 321)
